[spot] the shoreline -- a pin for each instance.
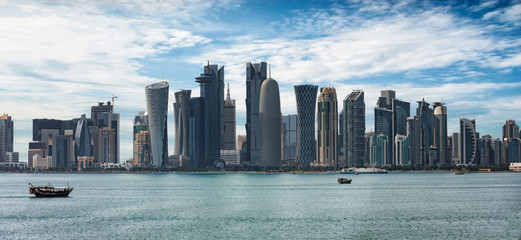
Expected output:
(247, 172)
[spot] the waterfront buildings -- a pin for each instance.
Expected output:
(181, 123)
(270, 123)
(354, 129)
(440, 133)
(6, 136)
(289, 137)
(229, 122)
(106, 145)
(256, 73)
(510, 129)
(211, 83)
(198, 146)
(468, 142)
(142, 155)
(157, 107)
(306, 96)
(327, 131)
(390, 119)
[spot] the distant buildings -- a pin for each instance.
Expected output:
(142, 154)
(157, 107)
(390, 119)
(327, 131)
(256, 73)
(229, 122)
(289, 137)
(354, 129)
(270, 123)
(306, 96)
(468, 142)
(6, 136)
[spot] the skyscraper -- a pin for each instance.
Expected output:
(181, 122)
(306, 96)
(270, 122)
(6, 136)
(414, 135)
(229, 122)
(354, 129)
(426, 117)
(106, 145)
(510, 129)
(440, 134)
(157, 107)
(289, 136)
(327, 132)
(468, 141)
(103, 116)
(211, 83)
(82, 139)
(142, 154)
(256, 73)
(198, 145)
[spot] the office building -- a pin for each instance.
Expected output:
(63, 150)
(6, 136)
(270, 123)
(468, 142)
(510, 129)
(181, 122)
(106, 145)
(157, 108)
(82, 139)
(198, 145)
(440, 133)
(327, 132)
(402, 146)
(142, 154)
(354, 129)
(229, 122)
(306, 96)
(256, 73)
(289, 136)
(211, 83)
(241, 142)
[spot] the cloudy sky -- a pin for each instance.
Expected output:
(58, 57)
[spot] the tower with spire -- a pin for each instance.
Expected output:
(229, 122)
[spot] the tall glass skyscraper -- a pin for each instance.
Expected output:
(306, 96)
(6, 136)
(211, 83)
(327, 132)
(468, 141)
(157, 107)
(289, 136)
(181, 122)
(256, 73)
(354, 129)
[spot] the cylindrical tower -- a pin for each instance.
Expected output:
(157, 106)
(306, 100)
(440, 112)
(270, 124)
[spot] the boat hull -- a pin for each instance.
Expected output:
(50, 192)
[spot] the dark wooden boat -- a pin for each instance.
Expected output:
(50, 191)
(459, 173)
(344, 180)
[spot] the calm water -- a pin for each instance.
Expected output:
(151, 206)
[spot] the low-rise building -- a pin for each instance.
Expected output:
(516, 167)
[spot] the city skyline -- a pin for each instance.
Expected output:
(470, 56)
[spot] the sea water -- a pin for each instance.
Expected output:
(263, 206)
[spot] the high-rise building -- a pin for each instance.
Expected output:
(82, 139)
(402, 148)
(510, 129)
(198, 134)
(106, 145)
(486, 150)
(455, 148)
(468, 142)
(6, 136)
(379, 146)
(256, 73)
(104, 117)
(327, 132)
(440, 133)
(368, 141)
(390, 119)
(63, 150)
(354, 129)
(426, 117)
(414, 135)
(100, 108)
(289, 136)
(142, 154)
(270, 123)
(211, 83)
(496, 145)
(181, 122)
(306, 96)
(157, 107)
(229, 122)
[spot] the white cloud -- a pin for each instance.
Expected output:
(511, 14)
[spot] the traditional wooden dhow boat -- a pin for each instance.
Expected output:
(344, 180)
(50, 191)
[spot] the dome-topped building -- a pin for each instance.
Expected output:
(270, 122)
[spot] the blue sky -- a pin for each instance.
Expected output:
(58, 56)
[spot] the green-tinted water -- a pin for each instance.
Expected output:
(151, 206)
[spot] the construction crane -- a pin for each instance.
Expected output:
(113, 97)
